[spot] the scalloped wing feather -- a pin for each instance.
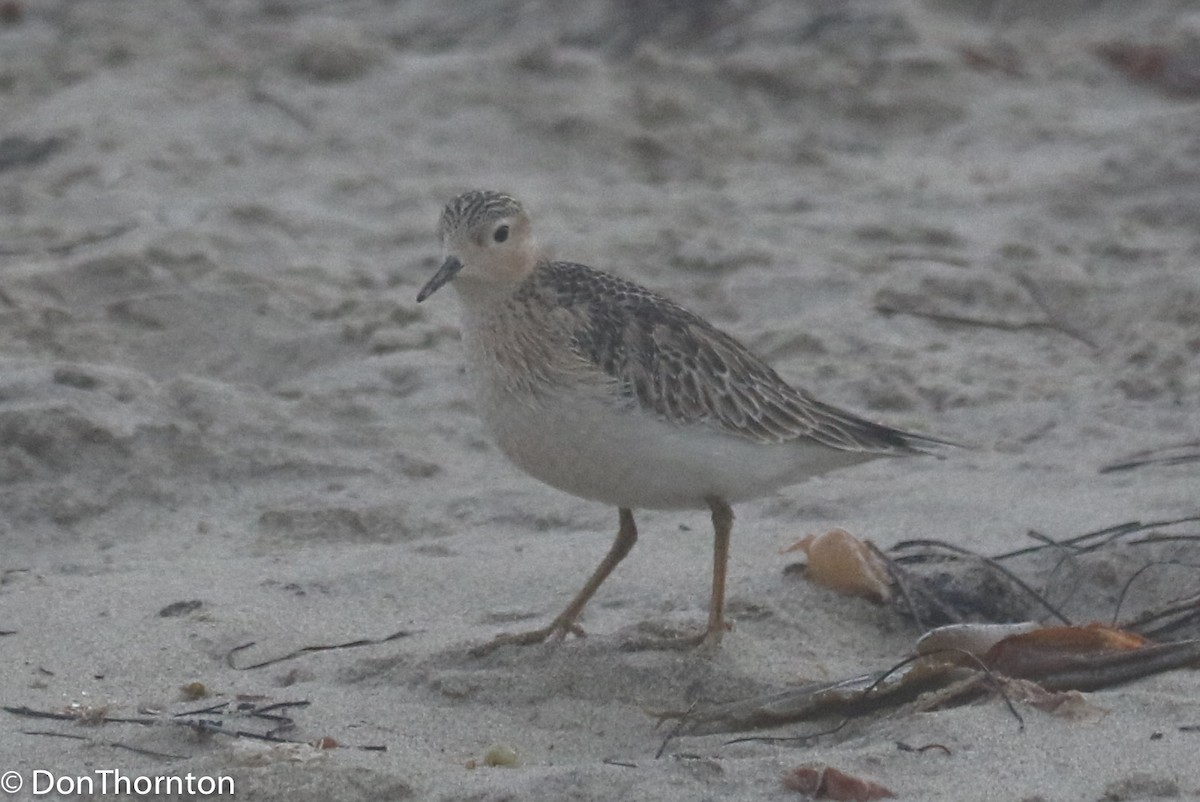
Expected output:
(674, 363)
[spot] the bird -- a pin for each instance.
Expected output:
(611, 392)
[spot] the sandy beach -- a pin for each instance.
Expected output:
(228, 433)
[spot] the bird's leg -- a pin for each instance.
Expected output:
(722, 518)
(566, 620)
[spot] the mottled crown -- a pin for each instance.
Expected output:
(470, 209)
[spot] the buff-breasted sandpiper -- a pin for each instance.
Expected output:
(608, 391)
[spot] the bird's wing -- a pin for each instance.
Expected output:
(674, 363)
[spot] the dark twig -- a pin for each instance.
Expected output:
(265, 712)
(879, 681)
(140, 751)
(29, 712)
(259, 94)
(1110, 533)
(1104, 536)
(774, 739)
(203, 710)
(903, 747)
(674, 731)
(983, 323)
(90, 238)
(308, 649)
(49, 734)
(1053, 319)
(1189, 608)
(114, 744)
(1153, 538)
(1156, 456)
(1133, 577)
(206, 726)
(1067, 555)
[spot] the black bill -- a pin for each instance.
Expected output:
(445, 274)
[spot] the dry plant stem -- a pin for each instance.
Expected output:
(1133, 578)
(306, 649)
(114, 744)
(1155, 456)
(848, 698)
(205, 726)
(1001, 325)
(1105, 536)
(1187, 609)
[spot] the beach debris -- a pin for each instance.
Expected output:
(232, 719)
(1175, 69)
(1046, 668)
(354, 644)
(974, 639)
(844, 563)
(844, 699)
(1178, 454)
(87, 715)
(1071, 705)
(258, 753)
(1133, 568)
(904, 747)
(1070, 658)
(193, 691)
(1141, 785)
(501, 755)
(11, 12)
(1008, 626)
(993, 56)
(175, 609)
(825, 782)
(1042, 651)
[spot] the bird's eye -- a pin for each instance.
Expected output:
(501, 234)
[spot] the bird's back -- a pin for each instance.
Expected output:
(671, 362)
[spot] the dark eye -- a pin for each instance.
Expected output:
(501, 234)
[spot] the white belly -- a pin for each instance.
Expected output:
(594, 449)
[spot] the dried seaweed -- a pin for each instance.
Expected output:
(941, 679)
(210, 720)
(1092, 576)
(1043, 666)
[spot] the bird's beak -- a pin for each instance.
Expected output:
(445, 275)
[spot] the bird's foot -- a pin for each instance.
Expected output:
(555, 631)
(708, 640)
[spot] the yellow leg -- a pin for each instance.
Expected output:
(722, 518)
(566, 620)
